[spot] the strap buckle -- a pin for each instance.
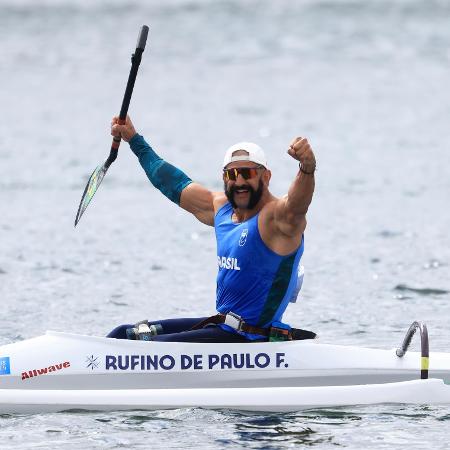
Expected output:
(234, 321)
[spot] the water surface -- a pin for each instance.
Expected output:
(366, 82)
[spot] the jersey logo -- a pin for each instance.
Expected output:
(228, 263)
(243, 238)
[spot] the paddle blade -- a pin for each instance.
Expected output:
(91, 188)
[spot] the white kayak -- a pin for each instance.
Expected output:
(270, 399)
(60, 371)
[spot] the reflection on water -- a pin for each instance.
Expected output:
(420, 291)
(275, 429)
(354, 427)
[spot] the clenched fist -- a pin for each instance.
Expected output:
(302, 151)
(125, 131)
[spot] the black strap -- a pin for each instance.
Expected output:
(296, 334)
(220, 318)
(213, 320)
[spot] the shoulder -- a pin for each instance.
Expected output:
(201, 202)
(268, 211)
(219, 199)
(281, 236)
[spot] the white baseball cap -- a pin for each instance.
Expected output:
(255, 154)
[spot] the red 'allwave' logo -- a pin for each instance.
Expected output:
(36, 372)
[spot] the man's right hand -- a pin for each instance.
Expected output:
(126, 132)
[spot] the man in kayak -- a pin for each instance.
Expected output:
(259, 241)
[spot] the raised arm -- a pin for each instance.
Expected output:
(171, 181)
(290, 211)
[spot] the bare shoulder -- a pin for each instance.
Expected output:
(288, 220)
(219, 199)
(201, 202)
(280, 233)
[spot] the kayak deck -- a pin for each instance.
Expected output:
(57, 361)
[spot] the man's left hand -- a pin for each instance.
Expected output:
(302, 151)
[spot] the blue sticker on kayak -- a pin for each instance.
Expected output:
(5, 368)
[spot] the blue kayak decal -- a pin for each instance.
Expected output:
(5, 367)
(196, 362)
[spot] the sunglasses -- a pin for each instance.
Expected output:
(245, 172)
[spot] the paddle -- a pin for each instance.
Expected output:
(100, 171)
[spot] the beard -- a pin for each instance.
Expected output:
(255, 196)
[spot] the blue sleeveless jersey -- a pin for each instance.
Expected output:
(253, 281)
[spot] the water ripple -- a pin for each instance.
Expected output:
(420, 291)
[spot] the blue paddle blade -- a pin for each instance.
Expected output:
(91, 188)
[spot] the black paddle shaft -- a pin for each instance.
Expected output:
(135, 61)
